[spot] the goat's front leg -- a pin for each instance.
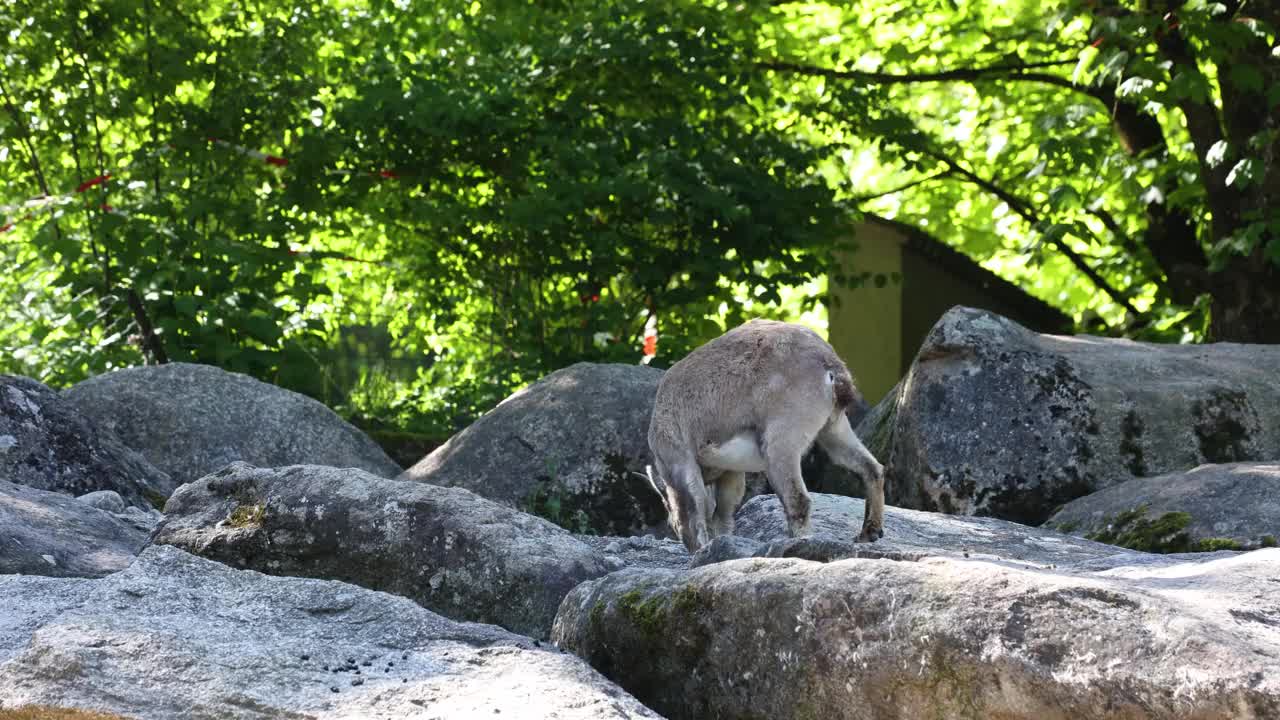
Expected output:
(690, 504)
(846, 450)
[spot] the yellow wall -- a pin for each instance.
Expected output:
(864, 324)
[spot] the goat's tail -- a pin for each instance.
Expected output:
(845, 391)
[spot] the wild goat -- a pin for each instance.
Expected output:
(753, 400)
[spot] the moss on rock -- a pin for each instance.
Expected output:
(1132, 529)
(247, 515)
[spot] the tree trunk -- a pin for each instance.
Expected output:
(1246, 301)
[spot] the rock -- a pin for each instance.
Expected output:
(190, 420)
(643, 551)
(729, 547)
(912, 535)
(45, 443)
(48, 533)
(105, 500)
(996, 420)
(1234, 506)
(572, 447)
(448, 549)
(177, 636)
(939, 637)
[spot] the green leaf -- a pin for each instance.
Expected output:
(1217, 153)
(185, 305)
(1088, 56)
(261, 328)
(1055, 233)
(1243, 174)
(1247, 77)
(1062, 197)
(1273, 249)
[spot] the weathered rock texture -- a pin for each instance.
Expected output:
(48, 533)
(45, 443)
(996, 420)
(572, 446)
(190, 420)
(939, 637)
(908, 535)
(177, 636)
(446, 548)
(1213, 506)
(643, 551)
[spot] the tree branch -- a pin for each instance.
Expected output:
(1171, 236)
(878, 78)
(1026, 213)
(1136, 129)
(34, 159)
(1203, 124)
(900, 188)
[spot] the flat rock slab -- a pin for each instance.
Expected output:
(177, 636)
(48, 533)
(190, 420)
(47, 443)
(908, 535)
(1236, 504)
(993, 419)
(447, 548)
(573, 446)
(940, 637)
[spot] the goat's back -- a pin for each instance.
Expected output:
(739, 380)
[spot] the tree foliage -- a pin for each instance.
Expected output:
(475, 193)
(1119, 159)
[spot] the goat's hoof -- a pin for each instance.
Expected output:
(870, 535)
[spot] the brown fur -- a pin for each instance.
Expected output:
(755, 398)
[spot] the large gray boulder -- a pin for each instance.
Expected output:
(48, 533)
(994, 419)
(49, 444)
(571, 447)
(177, 636)
(190, 420)
(446, 548)
(1236, 506)
(903, 634)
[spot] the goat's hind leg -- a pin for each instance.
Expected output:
(845, 449)
(783, 451)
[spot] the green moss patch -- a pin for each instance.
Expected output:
(1134, 530)
(1216, 543)
(1166, 534)
(247, 516)
(155, 499)
(646, 614)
